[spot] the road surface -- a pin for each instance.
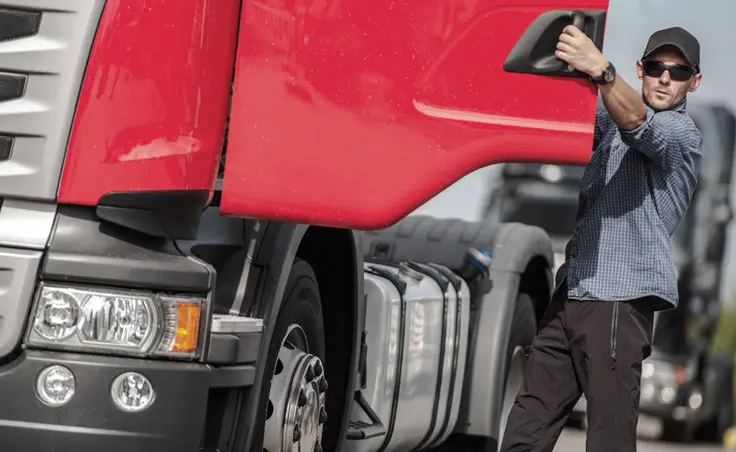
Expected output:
(573, 440)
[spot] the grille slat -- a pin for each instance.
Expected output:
(12, 86)
(16, 24)
(6, 147)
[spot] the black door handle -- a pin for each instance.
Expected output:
(534, 52)
(578, 20)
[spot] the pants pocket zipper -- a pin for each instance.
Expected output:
(614, 333)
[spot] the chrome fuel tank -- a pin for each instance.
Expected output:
(416, 338)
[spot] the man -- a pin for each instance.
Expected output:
(618, 266)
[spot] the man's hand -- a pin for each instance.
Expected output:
(576, 49)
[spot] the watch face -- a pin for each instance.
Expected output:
(608, 76)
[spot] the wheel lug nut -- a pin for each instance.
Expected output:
(318, 368)
(323, 385)
(322, 416)
(302, 398)
(309, 376)
(297, 433)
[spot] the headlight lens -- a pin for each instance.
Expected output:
(126, 322)
(116, 321)
(57, 316)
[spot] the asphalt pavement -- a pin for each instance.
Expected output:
(573, 440)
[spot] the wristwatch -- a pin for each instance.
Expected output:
(607, 76)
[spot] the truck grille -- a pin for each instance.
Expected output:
(44, 47)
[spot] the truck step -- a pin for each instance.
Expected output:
(364, 430)
(224, 323)
(359, 430)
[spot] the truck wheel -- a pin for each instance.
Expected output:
(714, 429)
(293, 414)
(676, 431)
(523, 330)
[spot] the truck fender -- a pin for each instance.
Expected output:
(280, 244)
(276, 251)
(514, 248)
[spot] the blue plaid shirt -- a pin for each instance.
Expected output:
(635, 190)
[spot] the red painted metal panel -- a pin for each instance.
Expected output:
(353, 113)
(154, 101)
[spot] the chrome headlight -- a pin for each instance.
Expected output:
(115, 321)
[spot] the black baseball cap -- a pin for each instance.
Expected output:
(679, 38)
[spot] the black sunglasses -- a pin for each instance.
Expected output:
(678, 73)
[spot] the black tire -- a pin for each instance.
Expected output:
(713, 429)
(523, 326)
(677, 431)
(523, 330)
(302, 305)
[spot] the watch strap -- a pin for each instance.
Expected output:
(607, 76)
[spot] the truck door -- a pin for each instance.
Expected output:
(353, 113)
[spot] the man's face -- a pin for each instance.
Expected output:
(662, 89)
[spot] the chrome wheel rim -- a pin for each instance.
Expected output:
(296, 411)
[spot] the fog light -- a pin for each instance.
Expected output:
(132, 392)
(667, 395)
(56, 385)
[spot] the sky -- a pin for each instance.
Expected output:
(629, 24)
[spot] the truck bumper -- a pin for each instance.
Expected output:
(90, 420)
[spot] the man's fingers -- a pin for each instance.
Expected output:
(566, 38)
(567, 48)
(562, 55)
(572, 30)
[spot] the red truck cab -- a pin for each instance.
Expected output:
(327, 101)
(170, 170)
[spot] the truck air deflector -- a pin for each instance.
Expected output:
(158, 116)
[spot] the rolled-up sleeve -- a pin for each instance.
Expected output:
(664, 137)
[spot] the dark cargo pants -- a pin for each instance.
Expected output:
(594, 348)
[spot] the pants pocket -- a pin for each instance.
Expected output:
(640, 324)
